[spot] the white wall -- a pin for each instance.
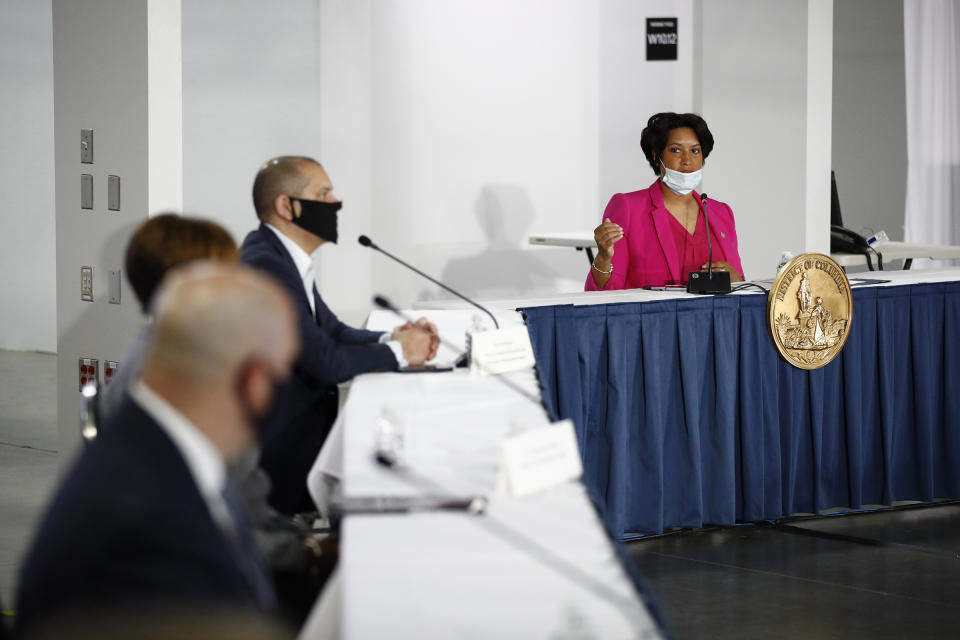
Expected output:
(482, 125)
(501, 118)
(28, 318)
(251, 91)
(766, 94)
(631, 89)
(451, 130)
(455, 129)
(869, 115)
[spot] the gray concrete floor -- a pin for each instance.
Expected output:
(28, 454)
(886, 574)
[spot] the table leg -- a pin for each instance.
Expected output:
(590, 255)
(907, 263)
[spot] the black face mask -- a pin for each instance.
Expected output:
(263, 420)
(318, 217)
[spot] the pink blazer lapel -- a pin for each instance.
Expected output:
(664, 235)
(724, 235)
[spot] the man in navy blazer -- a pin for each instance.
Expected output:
(294, 200)
(147, 516)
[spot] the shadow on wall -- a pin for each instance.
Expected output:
(504, 268)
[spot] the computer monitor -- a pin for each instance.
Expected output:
(836, 220)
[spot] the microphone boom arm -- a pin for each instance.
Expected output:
(367, 242)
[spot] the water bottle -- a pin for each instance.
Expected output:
(785, 257)
(475, 327)
(390, 439)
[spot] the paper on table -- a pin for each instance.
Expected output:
(538, 459)
(501, 351)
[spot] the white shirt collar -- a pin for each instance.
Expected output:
(301, 259)
(204, 461)
(305, 267)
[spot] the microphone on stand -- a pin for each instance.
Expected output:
(708, 281)
(706, 222)
(367, 242)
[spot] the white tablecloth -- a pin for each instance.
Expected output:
(578, 298)
(450, 575)
(540, 566)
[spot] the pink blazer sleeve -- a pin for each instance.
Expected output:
(618, 211)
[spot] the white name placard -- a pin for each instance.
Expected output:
(538, 459)
(501, 351)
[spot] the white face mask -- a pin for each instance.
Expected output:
(681, 183)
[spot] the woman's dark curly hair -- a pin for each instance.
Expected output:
(653, 140)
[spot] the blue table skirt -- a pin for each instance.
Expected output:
(686, 414)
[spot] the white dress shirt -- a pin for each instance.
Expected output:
(304, 263)
(204, 461)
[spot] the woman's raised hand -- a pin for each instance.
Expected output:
(605, 236)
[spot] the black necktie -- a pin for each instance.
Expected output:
(248, 554)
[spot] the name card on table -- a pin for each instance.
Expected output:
(538, 459)
(501, 351)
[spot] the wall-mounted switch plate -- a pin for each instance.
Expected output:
(86, 283)
(113, 288)
(109, 369)
(86, 146)
(89, 371)
(113, 193)
(86, 191)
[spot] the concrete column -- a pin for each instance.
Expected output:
(116, 66)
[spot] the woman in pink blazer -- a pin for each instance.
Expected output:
(657, 236)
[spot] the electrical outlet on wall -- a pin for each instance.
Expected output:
(86, 146)
(109, 369)
(86, 283)
(89, 371)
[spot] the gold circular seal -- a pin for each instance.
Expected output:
(809, 310)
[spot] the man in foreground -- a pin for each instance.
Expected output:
(147, 516)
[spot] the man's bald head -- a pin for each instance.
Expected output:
(282, 175)
(212, 319)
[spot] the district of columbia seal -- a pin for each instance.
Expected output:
(809, 310)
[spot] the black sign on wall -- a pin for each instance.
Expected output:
(661, 38)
